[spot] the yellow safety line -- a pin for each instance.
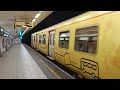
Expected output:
(51, 70)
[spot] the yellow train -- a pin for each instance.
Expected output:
(88, 44)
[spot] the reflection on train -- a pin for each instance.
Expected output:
(88, 44)
(6, 41)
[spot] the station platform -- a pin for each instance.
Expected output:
(23, 62)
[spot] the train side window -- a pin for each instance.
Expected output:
(86, 39)
(44, 39)
(64, 39)
(40, 39)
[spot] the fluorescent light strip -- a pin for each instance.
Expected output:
(33, 20)
(1, 29)
(37, 15)
(25, 31)
(67, 23)
(40, 11)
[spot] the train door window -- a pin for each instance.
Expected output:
(64, 39)
(44, 39)
(40, 39)
(50, 38)
(86, 39)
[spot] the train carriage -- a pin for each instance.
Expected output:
(6, 41)
(88, 44)
(33, 40)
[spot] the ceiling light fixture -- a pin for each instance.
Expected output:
(25, 31)
(33, 20)
(83, 18)
(40, 11)
(1, 30)
(67, 23)
(37, 15)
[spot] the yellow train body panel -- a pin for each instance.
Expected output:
(105, 63)
(33, 40)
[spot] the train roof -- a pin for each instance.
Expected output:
(34, 33)
(79, 18)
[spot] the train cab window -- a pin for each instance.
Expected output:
(86, 39)
(34, 38)
(44, 39)
(1, 32)
(40, 39)
(53, 39)
(64, 39)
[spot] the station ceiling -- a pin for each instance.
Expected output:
(46, 19)
(8, 19)
(54, 18)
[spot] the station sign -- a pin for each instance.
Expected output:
(24, 24)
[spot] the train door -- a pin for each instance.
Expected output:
(51, 43)
(37, 41)
(34, 41)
